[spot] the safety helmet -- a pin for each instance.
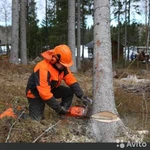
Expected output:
(64, 54)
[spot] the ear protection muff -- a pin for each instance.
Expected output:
(53, 60)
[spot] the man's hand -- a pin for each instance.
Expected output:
(86, 100)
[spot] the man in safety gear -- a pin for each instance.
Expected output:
(44, 84)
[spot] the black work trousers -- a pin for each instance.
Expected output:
(37, 105)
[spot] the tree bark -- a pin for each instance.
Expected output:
(15, 33)
(71, 31)
(78, 37)
(23, 31)
(103, 93)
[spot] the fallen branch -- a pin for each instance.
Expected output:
(47, 130)
(8, 136)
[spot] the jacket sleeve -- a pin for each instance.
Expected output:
(72, 83)
(69, 77)
(54, 104)
(42, 77)
(77, 89)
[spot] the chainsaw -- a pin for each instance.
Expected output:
(79, 112)
(82, 112)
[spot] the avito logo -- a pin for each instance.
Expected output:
(122, 144)
(136, 144)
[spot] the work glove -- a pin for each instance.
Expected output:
(62, 111)
(86, 100)
(56, 106)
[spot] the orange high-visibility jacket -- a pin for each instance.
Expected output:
(46, 77)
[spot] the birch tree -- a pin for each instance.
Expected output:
(71, 31)
(103, 93)
(23, 41)
(15, 33)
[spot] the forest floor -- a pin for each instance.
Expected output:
(132, 101)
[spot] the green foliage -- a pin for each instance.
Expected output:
(123, 8)
(33, 36)
(89, 34)
(86, 9)
(135, 34)
(55, 27)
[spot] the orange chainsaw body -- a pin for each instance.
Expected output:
(77, 111)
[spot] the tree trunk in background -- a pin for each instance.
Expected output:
(129, 5)
(46, 23)
(118, 50)
(15, 33)
(125, 43)
(78, 37)
(103, 94)
(23, 42)
(71, 31)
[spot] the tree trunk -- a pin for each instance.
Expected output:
(23, 42)
(118, 50)
(78, 38)
(71, 31)
(103, 93)
(15, 33)
(125, 30)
